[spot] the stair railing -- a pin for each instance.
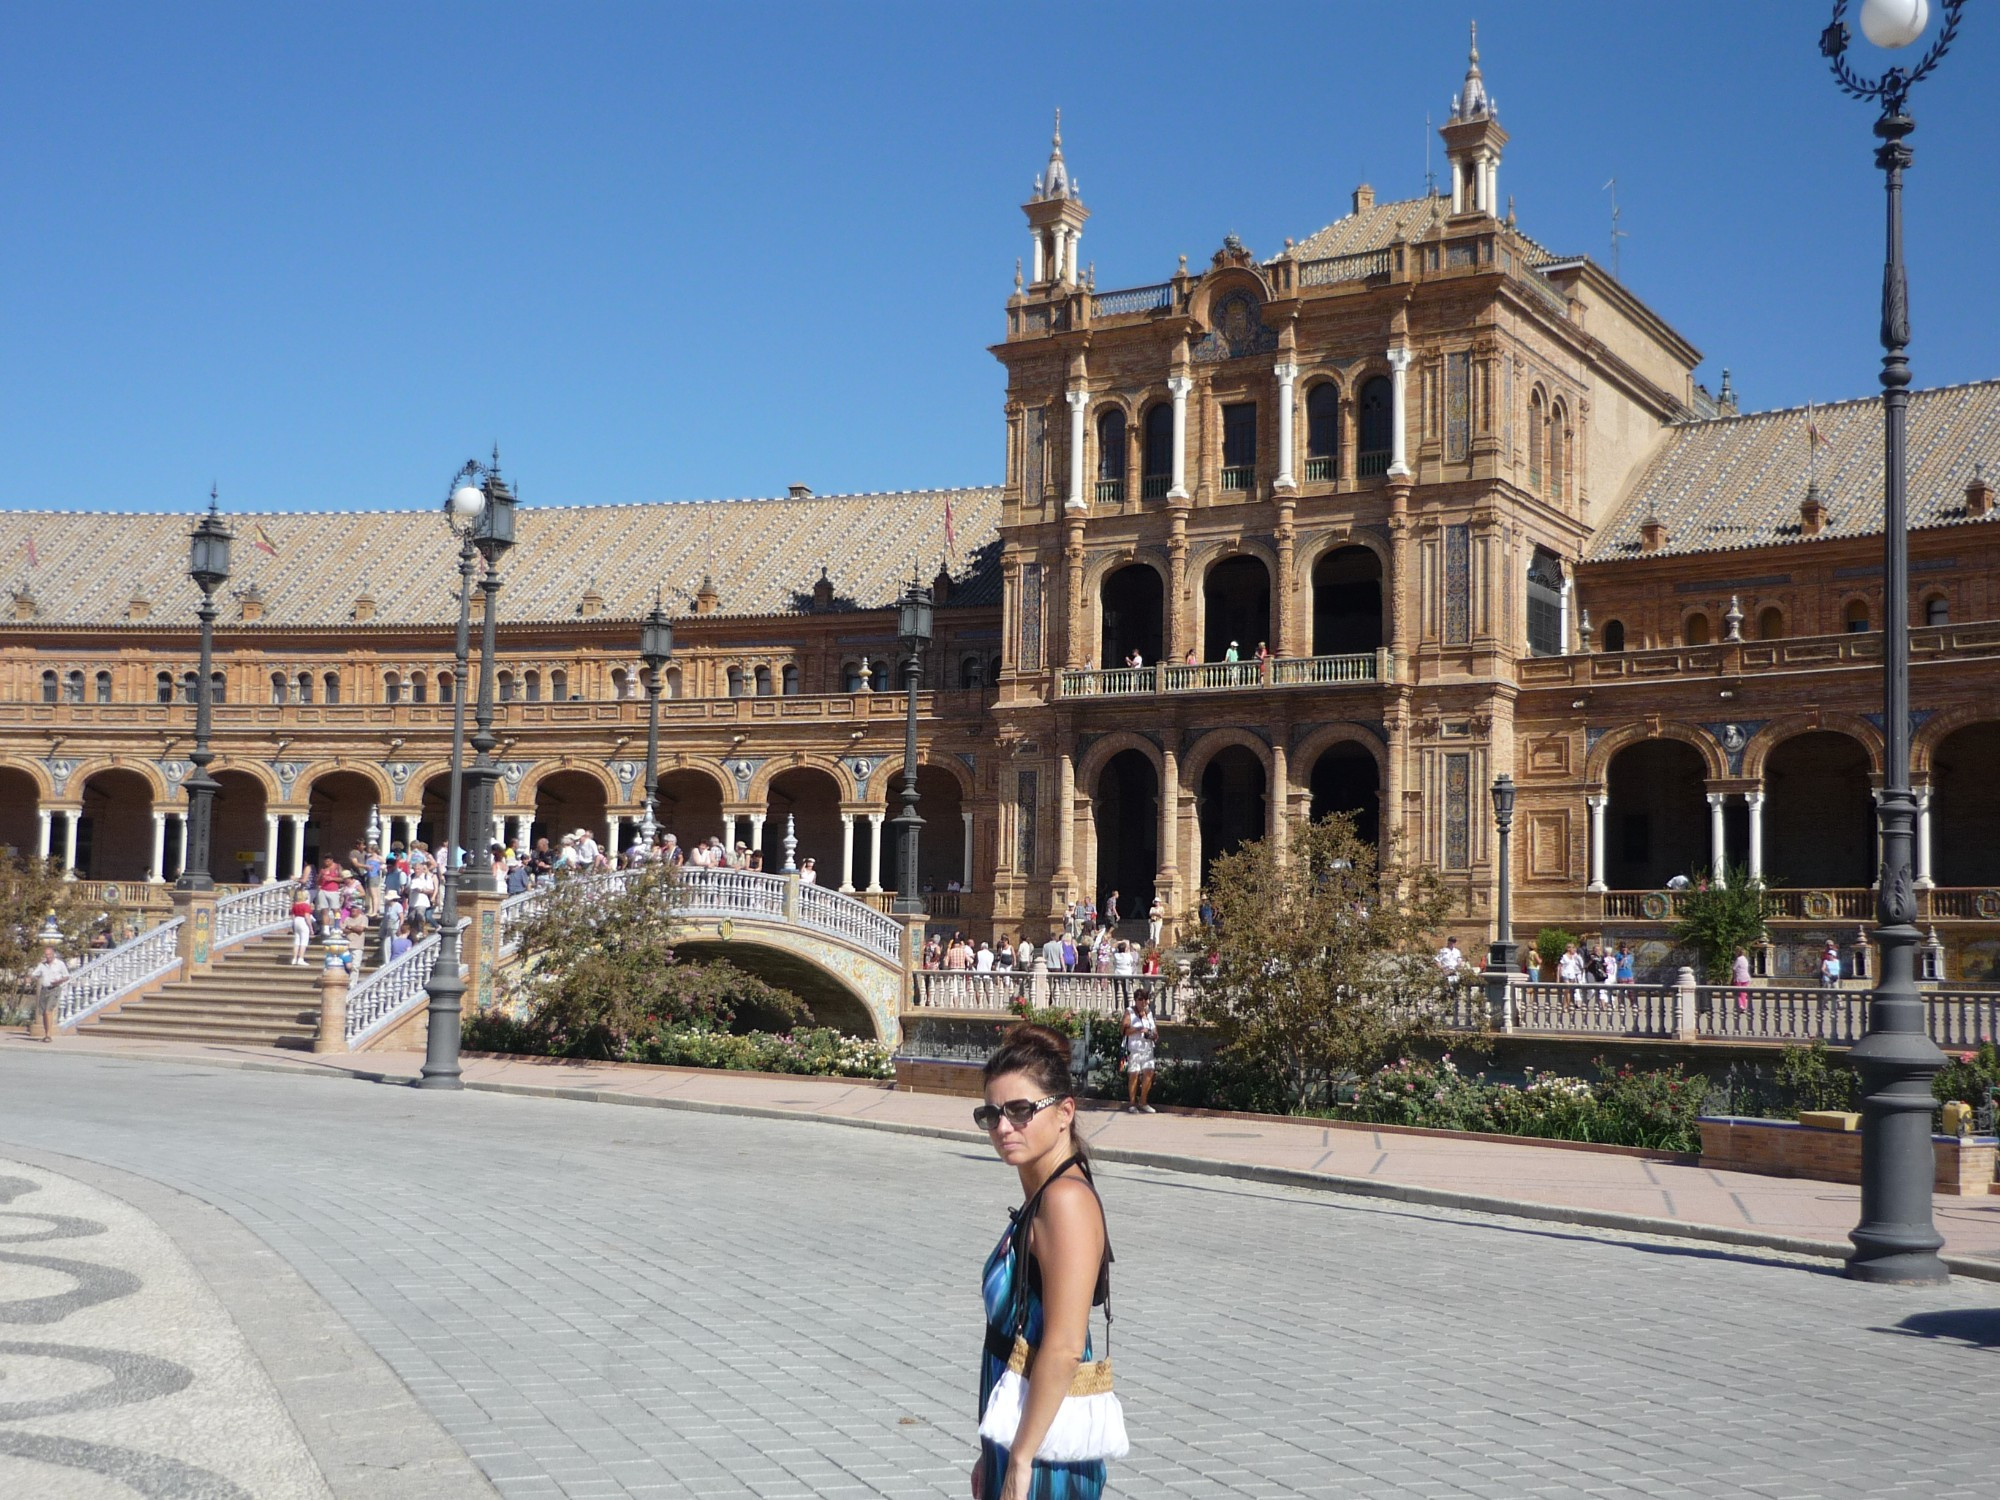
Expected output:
(394, 990)
(253, 913)
(153, 955)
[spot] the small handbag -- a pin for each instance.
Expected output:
(1090, 1423)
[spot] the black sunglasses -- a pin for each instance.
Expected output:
(1018, 1111)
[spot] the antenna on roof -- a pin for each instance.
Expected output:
(1617, 234)
(1430, 177)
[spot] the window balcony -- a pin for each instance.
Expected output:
(1370, 465)
(1110, 492)
(1358, 670)
(1320, 470)
(1238, 477)
(1154, 486)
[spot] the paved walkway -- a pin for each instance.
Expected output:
(603, 1302)
(1583, 1186)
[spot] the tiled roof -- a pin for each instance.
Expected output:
(764, 556)
(1737, 482)
(1374, 228)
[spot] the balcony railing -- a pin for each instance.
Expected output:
(1136, 299)
(1220, 676)
(1155, 486)
(1854, 903)
(1340, 268)
(1369, 465)
(1321, 470)
(1238, 477)
(1110, 492)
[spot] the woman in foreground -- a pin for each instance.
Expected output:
(1039, 1391)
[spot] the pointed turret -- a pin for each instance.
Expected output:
(1055, 219)
(1473, 141)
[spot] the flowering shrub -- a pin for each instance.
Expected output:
(819, 1050)
(1624, 1107)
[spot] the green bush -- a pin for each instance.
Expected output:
(1812, 1078)
(820, 1050)
(1716, 920)
(1625, 1107)
(1550, 944)
(1967, 1076)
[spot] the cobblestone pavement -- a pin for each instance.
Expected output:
(602, 1301)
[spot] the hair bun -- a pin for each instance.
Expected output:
(1042, 1038)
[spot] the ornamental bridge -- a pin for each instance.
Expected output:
(229, 980)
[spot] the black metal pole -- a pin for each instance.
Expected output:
(483, 773)
(446, 989)
(1897, 1239)
(200, 786)
(651, 823)
(909, 894)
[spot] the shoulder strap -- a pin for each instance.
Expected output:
(1023, 1219)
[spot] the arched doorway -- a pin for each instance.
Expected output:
(1131, 601)
(337, 815)
(1125, 811)
(236, 829)
(1656, 822)
(940, 846)
(566, 801)
(1236, 608)
(1231, 804)
(115, 839)
(20, 824)
(1965, 807)
(1819, 813)
(1345, 779)
(689, 806)
(1347, 602)
(811, 798)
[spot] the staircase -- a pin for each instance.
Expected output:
(253, 997)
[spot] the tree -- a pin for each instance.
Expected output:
(1716, 920)
(30, 891)
(1326, 971)
(598, 967)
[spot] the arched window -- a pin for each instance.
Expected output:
(850, 673)
(52, 688)
(1937, 610)
(447, 687)
(1323, 433)
(531, 685)
(1558, 451)
(306, 688)
(972, 673)
(190, 684)
(281, 687)
(1695, 630)
(332, 687)
(764, 685)
(392, 687)
(1855, 616)
(103, 687)
(1545, 604)
(559, 685)
(879, 677)
(505, 682)
(1239, 445)
(420, 688)
(1111, 457)
(1770, 623)
(673, 688)
(1158, 469)
(1376, 442)
(621, 686)
(734, 678)
(1613, 635)
(163, 687)
(73, 688)
(788, 680)
(218, 688)
(1538, 426)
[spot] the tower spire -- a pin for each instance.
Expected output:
(1055, 219)
(1473, 141)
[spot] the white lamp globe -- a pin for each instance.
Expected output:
(1894, 23)
(467, 501)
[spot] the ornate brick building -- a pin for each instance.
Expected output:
(1464, 493)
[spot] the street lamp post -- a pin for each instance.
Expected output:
(1897, 1238)
(463, 506)
(913, 630)
(208, 566)
(492, 534)
(1501, 960)
(656, 648)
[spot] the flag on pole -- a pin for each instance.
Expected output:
(263, 543)
(1814, 437)
(33, 560)
(950, 531)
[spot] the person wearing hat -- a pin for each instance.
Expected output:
(1829, 966)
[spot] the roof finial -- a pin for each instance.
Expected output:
(1475, 44)
(1056, 140)
(214, 490)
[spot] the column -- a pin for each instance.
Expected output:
(1179, 386)
(965, 879)
(42, 820)
(1288, 377)
(1079, 403)
(1277, 804)
(157, 870)
(1755, 802)
(1718, 848)
(1924, 881)
(270, 848)
(1169, 841)
(875, 851)
(757, 830)
(847, 851)
(1059, 271)
(1399, 436)
(615, 822)
(1036, 262)
(180, 843)
(1597, 805)
(72, 816)
(1065, 828)
(299, 841)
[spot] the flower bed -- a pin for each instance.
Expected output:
(1624, 1107)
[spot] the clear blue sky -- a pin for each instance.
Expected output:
(323, 253)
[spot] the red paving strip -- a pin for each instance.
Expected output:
(1493, 1173)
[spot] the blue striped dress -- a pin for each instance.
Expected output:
(1079, 1481)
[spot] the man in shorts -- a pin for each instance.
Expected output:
(48, 978)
